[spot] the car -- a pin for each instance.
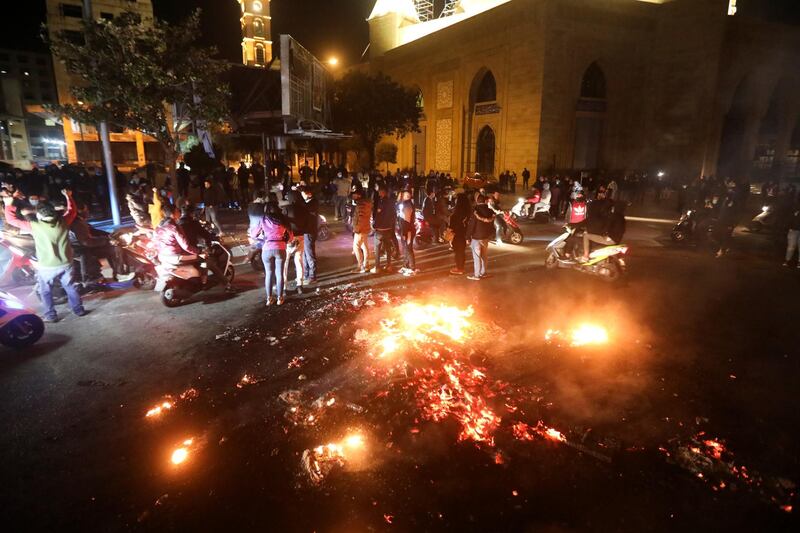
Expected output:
(477, 181)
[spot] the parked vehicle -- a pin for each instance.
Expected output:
(513, 233)
(21, 268)
(767, 219)
(137, 254)
(20, 327)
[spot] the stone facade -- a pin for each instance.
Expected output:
(620, 85)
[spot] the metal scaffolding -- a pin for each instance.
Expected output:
(427, 11)
(424, 9)
(449, 8)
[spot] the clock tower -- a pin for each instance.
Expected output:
(256, 33)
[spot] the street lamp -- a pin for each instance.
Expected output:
(333, 61)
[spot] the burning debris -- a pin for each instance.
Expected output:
(525, 432)
(711, 461)
(181, 453)
(319, 462)
(169, 402)
(583, 335)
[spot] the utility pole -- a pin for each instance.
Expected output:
(108, 160)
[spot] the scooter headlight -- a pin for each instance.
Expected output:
(323, 219)
(689, 213)
(765, 209)
(13, 304)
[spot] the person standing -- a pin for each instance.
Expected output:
(408, 231)
(183, 179)
(500, 225)
(430, 212)
(361, 228)
(310, 235)
(793, 237)
(342, 192)
(50, 234)
(296, 214)
(479, 230)
(213, 197)
(458, 223)
(526, 178)
(384, 218)
(274, 229)
(728, 217)
(244, 183)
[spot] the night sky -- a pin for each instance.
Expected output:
(326, 27)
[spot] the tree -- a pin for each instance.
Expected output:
(373, 106)
(386, 152)
(135, 75)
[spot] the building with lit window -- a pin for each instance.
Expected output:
(130, 149)
(256, 33)
(34, 73)
(683, 86)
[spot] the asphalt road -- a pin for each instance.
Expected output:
(698, 347)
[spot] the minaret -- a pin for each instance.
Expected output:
(256, 33)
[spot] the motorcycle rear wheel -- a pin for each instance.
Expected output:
(516, 237)
(610, 272)
(324, 233)
(22, 332)
(170, 297)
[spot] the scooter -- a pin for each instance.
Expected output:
(177, 283)
(513, 233)
(693, 227)
(608, 262)
(19, 326)
(766, 219)
(21, 268)
(525, 205)
(137, 255)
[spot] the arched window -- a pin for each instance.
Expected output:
(593, 84)
(260, 56)
(258, 28)
(487, 90)
(420, 100)
(484, 157)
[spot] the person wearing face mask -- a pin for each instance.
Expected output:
(50, 234)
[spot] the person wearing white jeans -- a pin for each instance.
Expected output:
(793, 237)
(480, 253)
(295, 249)
(361, 250)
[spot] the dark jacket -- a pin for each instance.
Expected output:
(384, 213)
(430, 211)
(478, 229)
(297, 213)
(598, 216)
(458, 223)
(312, 212)
(194, 231)
(794, 220)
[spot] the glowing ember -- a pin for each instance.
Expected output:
(320, 461)
(179, 456)
(583, 335)
(589, 334)
(157, 410)
(525, 432)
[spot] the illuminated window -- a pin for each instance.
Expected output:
(260, 57)
(731, 8)
(257, 7)
(258, 28)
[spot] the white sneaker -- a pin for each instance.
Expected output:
(402, 271)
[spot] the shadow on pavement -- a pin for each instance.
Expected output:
(51, 342)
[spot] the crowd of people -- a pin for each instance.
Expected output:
(386, 213)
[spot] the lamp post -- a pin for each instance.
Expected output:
(105, 140)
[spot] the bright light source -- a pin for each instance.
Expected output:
(732, 8)
(333, 61)
(661, 173)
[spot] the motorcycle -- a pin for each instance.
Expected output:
(21, 268)
(19, 326)
(693, 226)
(608, 262)
(179, 282)
(766, 219)
(513, 232)
(137, 254)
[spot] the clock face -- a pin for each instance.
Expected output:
(257, 6)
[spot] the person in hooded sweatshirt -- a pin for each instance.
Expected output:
(276, 232)
(51, 236)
